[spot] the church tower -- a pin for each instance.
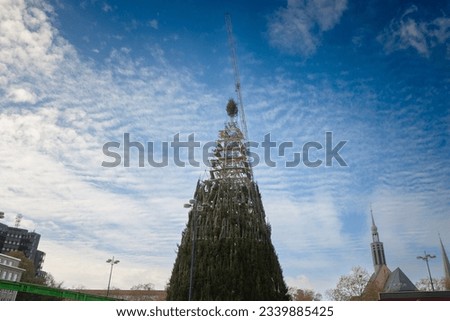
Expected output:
(378, 256)
(383, 280)
(226, 252)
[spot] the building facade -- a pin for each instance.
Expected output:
(9, 271)
(19, 239)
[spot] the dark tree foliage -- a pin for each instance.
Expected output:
(234, 256)
(29, 276)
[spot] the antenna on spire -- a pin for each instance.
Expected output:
(371, 214)
(237, 81)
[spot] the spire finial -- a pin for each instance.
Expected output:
(374, 227)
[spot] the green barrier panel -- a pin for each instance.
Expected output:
(54, 292)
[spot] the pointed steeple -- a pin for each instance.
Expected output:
(378, 256)
(375, 236)
(445, 260)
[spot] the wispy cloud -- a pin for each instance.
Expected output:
(21, 95)
(154, 24)
(408, 32)
(297, 28)
(68, 110)
(106, 7)
(391, 152)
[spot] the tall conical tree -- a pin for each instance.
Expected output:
(226, 252)
(446, 263)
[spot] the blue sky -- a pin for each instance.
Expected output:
(77, 74)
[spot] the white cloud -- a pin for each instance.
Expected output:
(51, 154)
(406, 32)
(313, 220)
(88, 268)
(300, 282)
(153, 23)
(21, 95)
(132, 25)
(29, 46)
(297, 28)
(27, 37)
(106, 7)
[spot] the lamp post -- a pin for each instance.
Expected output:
(112, 262)
(426, 257)
(193, 205)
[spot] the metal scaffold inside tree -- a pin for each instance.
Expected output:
(226, 252)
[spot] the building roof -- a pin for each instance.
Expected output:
(380, 276)
(398, 282)
(9, 258)
(416, 296)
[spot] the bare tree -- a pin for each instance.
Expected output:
(425, 284)
(50, 281)
(350, 287)
(142, 286)
(304, 295)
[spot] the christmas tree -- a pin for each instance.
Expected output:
(226, 252)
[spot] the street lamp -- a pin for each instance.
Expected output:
(112, 262)
(426, 257)
(193, 205)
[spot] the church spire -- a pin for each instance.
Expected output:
(445, 261)
(375, 236)
(378, 256)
